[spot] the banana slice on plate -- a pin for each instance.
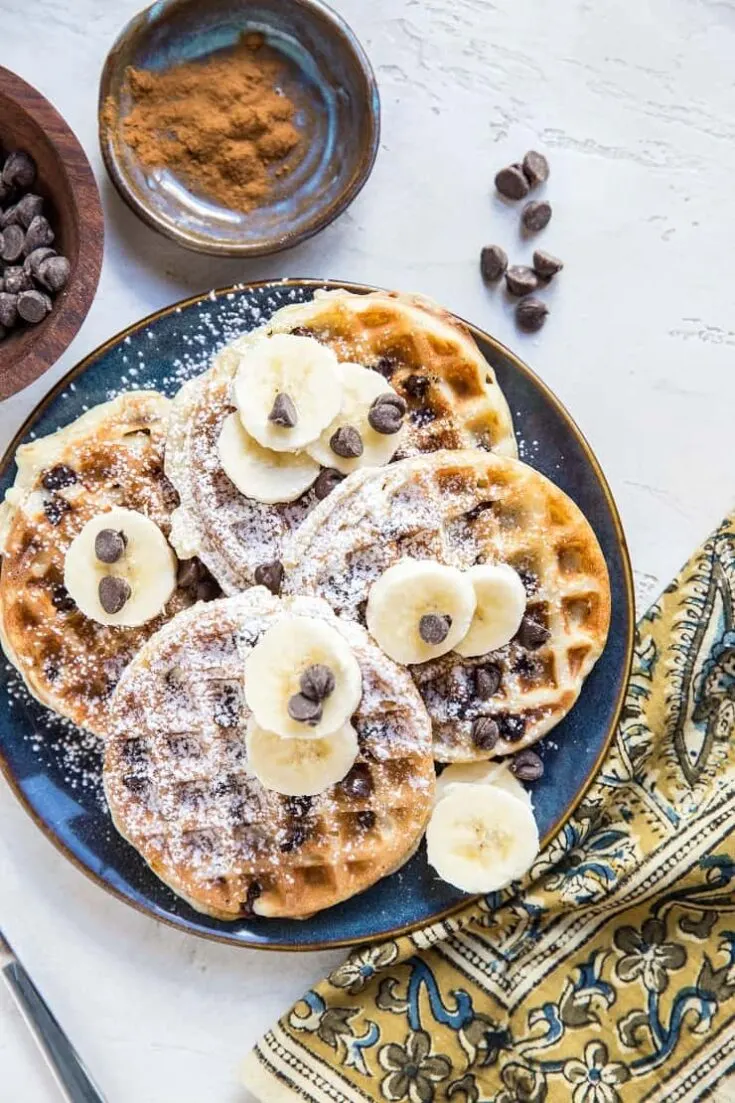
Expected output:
(496, 774)
(300, 767)
(480, 838)
(260, 473)
(500, 604)
(302, 679)
(419, 609)
(120, 569)
(286, 389)
(369, 426)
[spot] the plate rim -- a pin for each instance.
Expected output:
(8, 459)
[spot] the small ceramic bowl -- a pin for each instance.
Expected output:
(338, 110)
(67, 184)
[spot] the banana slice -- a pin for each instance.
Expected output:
(300, 767)
(302, 680)
(420, 609)
(260, 473)
(120, 569)
(501, 603)
(495, 774)
(480, 838)
(360, 389)
(287, 389)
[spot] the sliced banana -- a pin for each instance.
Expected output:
(480, 837)
(420, 609)
(260, 473)
(286, 389)
(501, 603)
(300, 767)
(360, 388)
(495, 774)
(144, 569)
(274, 674)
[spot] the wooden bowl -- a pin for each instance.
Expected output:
(66, 181)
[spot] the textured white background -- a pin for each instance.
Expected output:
(635, 105)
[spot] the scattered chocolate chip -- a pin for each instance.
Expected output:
(529, 580)
(34, 260)
(33, 306)
(536, 215)
(53, 273)
(304, 710)
(511, 728)
(62, 600)
(545, 265)
(302, 331)
(317, 682)
(138, 786)
(366, 820)
(19, 170)
(521, 280)
(531, 634)
(386, 413)
(55, 508)
(38, 234)
(270, 575)
(188, 574)
(485, 733)
(535, 168)
(531, 314)
(527, 766)
(16, 279)
(109, 545)
(527, 666)
(477, 511)
(385, 367)
(8, 309)
(51, 671)
(8, 217)
(487, 681)
(207, 589)
(254, 891)
(113, 593)
(298, 807)
(416, 385)
(283, 412)
(434, 627)
(27, 208)
(358, 782)
(11, 243)
(296, 836)
(326, 481)
(493, 263)
(346, 442)
(511, 182)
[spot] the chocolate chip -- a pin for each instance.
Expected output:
(317, 682)
(19, 170)
(53, 273)
(207, 590)
(326, 482)
(109, 545)
(535, 168)
(113, 593)
(545, 265)
(493, 262)
(531, 314)
(511, 728)
(536, 215)
(33, 306)
(358, 782)
(254, 891)
(304, 710)
(283, 412)
(511, 182)
(26, 209)
(62, 600)
(527, 766)
(485, 733)
(11, 243)
(33, 261)
(8, 309)
(16, 279)
(385, 367)
(134, 751)
(487, 681)
(50, 670)
(434, 627)
(416, 385)
(8, 217)
(346, 442)
(296, 836)
(366, 820)
(188, 574)
(298, 807)
(270, 575)
(38, 234)
(521, 280)
(55, 508)
(386, 413)
(531, 634)
(138, 786)
(302, 331)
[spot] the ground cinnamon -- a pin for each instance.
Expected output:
(223, 125)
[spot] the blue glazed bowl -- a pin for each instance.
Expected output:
(338, 111)
(65, 800)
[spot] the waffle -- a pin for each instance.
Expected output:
(115, 452)
(462, 508)
(426, 354)
(180, 792)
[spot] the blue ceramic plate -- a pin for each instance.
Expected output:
(56, 779)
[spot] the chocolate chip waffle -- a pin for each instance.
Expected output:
(111, 456)
(464, 508)
(425, 354)
(177, 781)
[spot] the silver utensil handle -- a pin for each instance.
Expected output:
(66, 1066)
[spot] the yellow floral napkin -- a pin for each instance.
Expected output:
(610, 976)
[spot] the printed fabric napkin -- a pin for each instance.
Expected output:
(610, 976)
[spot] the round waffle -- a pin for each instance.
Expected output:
(463, 508)
(177, 782)
(111, 456)
(427, 355)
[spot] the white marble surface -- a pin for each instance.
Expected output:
(635, 105)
